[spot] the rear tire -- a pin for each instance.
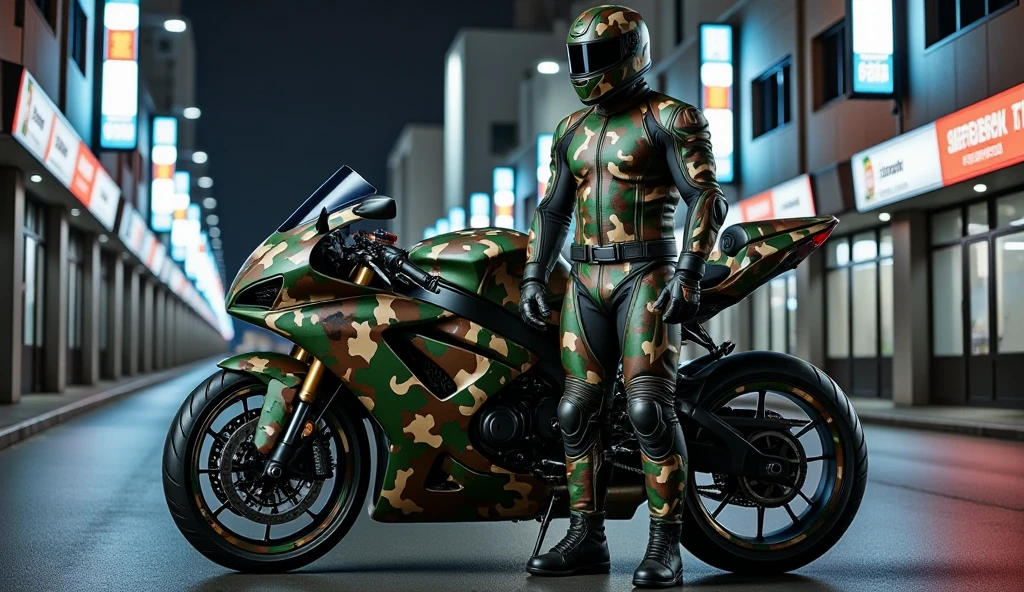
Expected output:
(183, 493)
(731, 553)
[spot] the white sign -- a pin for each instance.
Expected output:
(43, 130)
(871, 24)
(119, 97)
(900, 168)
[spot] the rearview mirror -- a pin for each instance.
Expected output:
(378, 207)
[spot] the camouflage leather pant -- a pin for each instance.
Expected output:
(607, 314)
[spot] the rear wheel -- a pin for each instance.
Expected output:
(744, 525)
(225, 507)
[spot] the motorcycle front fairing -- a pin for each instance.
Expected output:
(358, 332)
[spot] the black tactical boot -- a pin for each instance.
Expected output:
(584, 550)
(662, 566)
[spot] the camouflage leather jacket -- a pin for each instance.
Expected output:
(626, 169)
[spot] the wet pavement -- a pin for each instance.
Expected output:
(83, 509)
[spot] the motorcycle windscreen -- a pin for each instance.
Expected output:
(345, 188)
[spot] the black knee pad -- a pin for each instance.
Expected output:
(653, 415)
(577, 416)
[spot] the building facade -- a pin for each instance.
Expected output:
(912, 139)
(415, 180)
(88, 291)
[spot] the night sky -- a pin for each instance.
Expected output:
(291, 91)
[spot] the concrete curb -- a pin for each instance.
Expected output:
(970, 428)
(20, 431)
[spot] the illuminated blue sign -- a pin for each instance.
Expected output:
(717, 81)
(870, 24)
(119, 97)
(457, 218)
(479, 210)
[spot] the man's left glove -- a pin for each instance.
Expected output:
(680, 299)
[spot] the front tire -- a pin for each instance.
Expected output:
(817, 523)
(188, 486)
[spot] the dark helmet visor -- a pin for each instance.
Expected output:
(596, 56)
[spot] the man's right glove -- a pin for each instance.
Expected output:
(533, 307)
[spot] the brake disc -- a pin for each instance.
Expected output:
(256, 497)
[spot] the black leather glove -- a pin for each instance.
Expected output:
(680, 299)
(533, 306)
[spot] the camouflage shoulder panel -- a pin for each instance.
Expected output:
(568, 122)
(268, 366)
(673, 114)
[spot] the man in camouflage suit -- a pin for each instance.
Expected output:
(621, 165)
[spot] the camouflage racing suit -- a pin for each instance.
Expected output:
(621, 171)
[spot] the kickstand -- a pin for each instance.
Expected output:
(544, 523)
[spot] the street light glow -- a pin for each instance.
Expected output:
(981, 188)
(212, 220)
(205, 182)
(75, 212)
(209, 203)
(884, 217)
(191, 112)
(200, 157)
(36, 178)
(548, 67)
(175, 26)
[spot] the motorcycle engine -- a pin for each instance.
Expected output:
(518, 427)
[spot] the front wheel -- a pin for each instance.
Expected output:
(741, 525)
(225, 507)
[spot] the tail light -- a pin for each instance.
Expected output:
(822, 236)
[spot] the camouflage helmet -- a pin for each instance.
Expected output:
(609, 49)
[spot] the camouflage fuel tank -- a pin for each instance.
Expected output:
(488, 262)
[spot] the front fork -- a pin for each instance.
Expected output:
(283, 451)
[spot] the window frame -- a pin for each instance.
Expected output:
(78, 38)
(786, 316)
(823, 40)
(964, 242)
(783, 95)
(848, 267)
(932, 43)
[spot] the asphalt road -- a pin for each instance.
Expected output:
(82, 508)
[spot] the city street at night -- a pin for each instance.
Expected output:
(84, 509)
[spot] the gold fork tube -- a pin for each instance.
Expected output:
(364, 275)
(299, 354)
(307, 392)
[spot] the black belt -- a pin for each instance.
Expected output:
(619, 252)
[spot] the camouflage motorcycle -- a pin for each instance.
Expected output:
(414, 381)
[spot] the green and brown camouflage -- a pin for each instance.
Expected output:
(609, 22)
(268, 366)
(768, 244)
(581, 477)
(650, 346)
(277, 408)
(488, 262)
(343, 324)
(666, 481)
(578, 358)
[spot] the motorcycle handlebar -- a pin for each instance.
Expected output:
(425, 280)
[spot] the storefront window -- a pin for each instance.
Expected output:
(774, 314)
(978, 278)
(977, 218)
(777, 291)
(885, 309)
(947, 226)
(762, 318)
(947, 291)
(1010, 210)
(838, 285)
(865, 310)
(1009, 287)
(33, 270)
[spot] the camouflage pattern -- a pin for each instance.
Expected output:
(769, 243)
(666, 483)
(610, 22)
(488, 262)
(268, 366)
(277, 407)
(581, 475)
(342, 325)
